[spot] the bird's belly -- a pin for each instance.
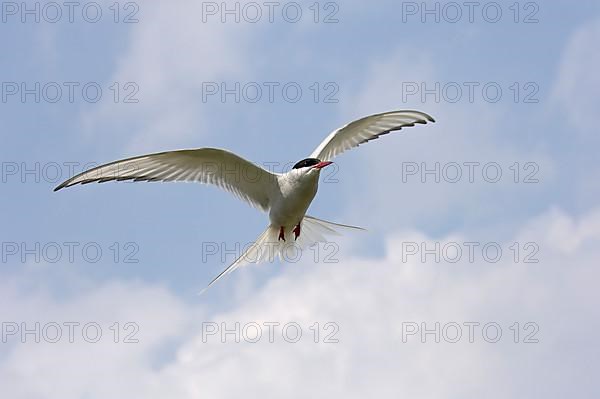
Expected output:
(290, 209)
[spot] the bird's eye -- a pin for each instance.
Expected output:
(306, 163)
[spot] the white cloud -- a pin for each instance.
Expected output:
(575, 99)
(170, 53)
(578, 84)
(368, 299)
(464, 133)
(75, 369)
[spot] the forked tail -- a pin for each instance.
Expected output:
(267, 246)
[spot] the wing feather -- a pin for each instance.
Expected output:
(222, 168)
(366, 129)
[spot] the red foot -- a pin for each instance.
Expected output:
(281, 234)
(296, 232)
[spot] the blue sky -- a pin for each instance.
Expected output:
(365, 61)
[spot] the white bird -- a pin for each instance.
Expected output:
(286, 197)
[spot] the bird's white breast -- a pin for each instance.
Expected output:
(296, 192)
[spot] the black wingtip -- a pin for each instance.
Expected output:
(60, 187)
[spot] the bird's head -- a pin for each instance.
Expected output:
(310, 166)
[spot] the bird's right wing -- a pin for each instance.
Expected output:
(366, 129)
(204, 165)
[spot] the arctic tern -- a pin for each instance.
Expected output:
(285, 196)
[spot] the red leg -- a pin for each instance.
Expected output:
(296, 232)
(281, 234)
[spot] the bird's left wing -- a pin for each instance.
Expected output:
(204, 165)
(367, 129)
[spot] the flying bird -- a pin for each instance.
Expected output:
(286, 196)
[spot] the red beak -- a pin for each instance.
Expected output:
(323, 164)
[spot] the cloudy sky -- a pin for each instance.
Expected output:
(477, 275)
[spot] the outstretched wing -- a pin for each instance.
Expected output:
(367, 129)
(204, 165)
